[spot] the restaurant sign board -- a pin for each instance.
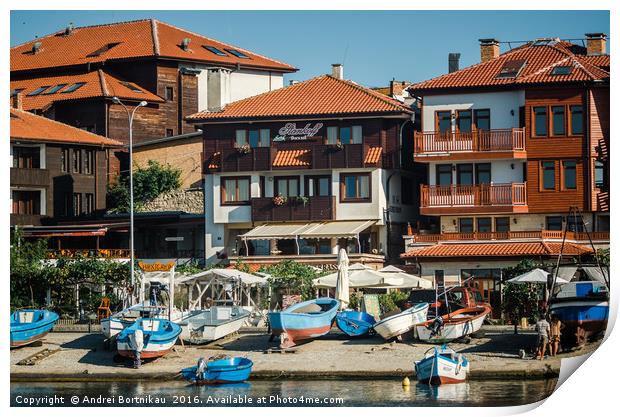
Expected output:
(290, 132)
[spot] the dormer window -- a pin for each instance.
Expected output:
(238, 54)
(512, 69)
(563, 70)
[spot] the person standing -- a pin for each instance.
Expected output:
(555, 333)
(542, 328)
(136, 342)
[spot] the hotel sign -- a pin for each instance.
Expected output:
(156, 266)
(290, 132)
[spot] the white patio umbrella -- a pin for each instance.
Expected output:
(342, 283)
(408, 280)
(535, 276)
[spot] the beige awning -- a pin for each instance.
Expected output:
(316, 230)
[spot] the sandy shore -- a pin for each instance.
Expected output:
(82, 357)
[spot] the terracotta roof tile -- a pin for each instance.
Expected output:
(30, 127)
(373, 155)
(292, 158)
(324, 95)
(135, 39)
(496, 249)
(539, 62)
(97, 84)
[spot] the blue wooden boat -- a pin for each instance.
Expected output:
(28, 326)
(355, 323)
(159, 337)
(224, 371)
(303, 321)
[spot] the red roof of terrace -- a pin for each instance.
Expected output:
(497, 250)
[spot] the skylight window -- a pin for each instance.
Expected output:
(73, 87)
(132, 87)
(55, 89)
(38, 90)
(214, 50)
(563, 70)
(103, 49)
(511, 69)
(238, 54)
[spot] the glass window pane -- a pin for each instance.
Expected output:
(484, 224)
(332, 135)
(540, 121)
(230, 190)
(265, 137)
(323, 186)
(282, 187)
(483, 173)
(599, 174)
(548, 168)
(350, 186)
(241, 138)
(310, 190)
(466, 225)
(357, 134)
(570, 175)
(502, 224)
(293, 187)
(483, 119)
(363, 186)
(558, 120)
(464, 121)
(444, 121)
(253, 138)
(576, 120)
(554, 223)
(345, 135)
(244, 189)
(464, 174)
(444, 174)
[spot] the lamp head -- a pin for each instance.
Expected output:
(142, 104)
(116, 100)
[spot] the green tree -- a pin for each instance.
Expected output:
(28, 272)
(290, 277)
(520, 300)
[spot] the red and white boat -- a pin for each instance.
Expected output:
(452, 326)
(442, 365)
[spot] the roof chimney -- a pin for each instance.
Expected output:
(489, 49)
(293, 82)
(69, 29)
(36, 47)
(453, 61)
(337, 71)
(396, 88)
(185, 44)
(16, 101)
(596, 43)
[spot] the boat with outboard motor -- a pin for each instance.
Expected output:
(402, 322)
(452, 326)
(441, 365)
(159, 336)
(222, 371)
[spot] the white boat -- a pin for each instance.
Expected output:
(448, 327)
(202, 326)
(113, 325)
(402, 322)
(442, 365)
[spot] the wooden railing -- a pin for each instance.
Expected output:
(511, 235)
(88, 253)
(30, 176)
(473, 195)
(309, 208)
(476, 141)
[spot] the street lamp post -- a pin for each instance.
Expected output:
(130, 116)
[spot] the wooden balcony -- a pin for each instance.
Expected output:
(511, 235)
(479, 144)
(316, 208)
(26, 219)
(469, 199)
(30, 177)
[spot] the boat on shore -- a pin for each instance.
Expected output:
(355, 323)
(202, 326)
(303, 321)
(583, 308)
(28, 326)
(402, 322)
(223, 371)
(452, 326)
(442, 365)
(160, 335)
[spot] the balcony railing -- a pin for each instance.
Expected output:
(474, 195)
(26, 219)
(30, 176)
(505, 140)
(294, 209)
(88, 253)
(511, 235)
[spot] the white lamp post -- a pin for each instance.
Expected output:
(130, 115)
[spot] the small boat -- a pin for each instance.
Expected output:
(224, 371)
(355, 323)
(28, 326)
(452, 326)
(303, 321)
(202, 326)
(159, 337)
(113, 325)
(442, 366)
(583, 308)
(402, 322)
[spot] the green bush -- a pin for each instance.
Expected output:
(291, 277)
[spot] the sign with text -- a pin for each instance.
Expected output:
(370, 305)
(290, 132)
(156, 266)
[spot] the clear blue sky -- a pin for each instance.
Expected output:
(375, 46)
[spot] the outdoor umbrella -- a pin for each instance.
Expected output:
(535, 276)
(342, 283)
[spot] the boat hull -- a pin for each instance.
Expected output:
(112, 326)
(156, 343)
(582, 319)
(25, 333)
(230, 371)
(451, 331)
(197, 331)
(439, 370)
(401, 323)
(355, 323)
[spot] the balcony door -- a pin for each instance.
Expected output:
(26, 202)
(318, 186)
(287, 186)
(443, 123)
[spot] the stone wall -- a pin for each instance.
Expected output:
(185, 200)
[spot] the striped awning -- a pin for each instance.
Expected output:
(315, 230)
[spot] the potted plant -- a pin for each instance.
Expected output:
(338, 146)
(300, 199)
(279, 200)
(242, 149)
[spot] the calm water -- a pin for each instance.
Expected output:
(282, 393)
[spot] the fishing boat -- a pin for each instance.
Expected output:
(455, 325)
(303, 321)
(402, 322)
(202, 326)
(28, 326)
(355, 323)
(442, 365)
(583, 308)
(159, 337)
(223, 371)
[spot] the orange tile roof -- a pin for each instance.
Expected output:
(126, 40)
(26, 126)
(539, 62)
(496, 249)
(323, 95)
(98, 84)
(373, 155)
(292, 158)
